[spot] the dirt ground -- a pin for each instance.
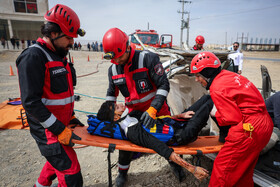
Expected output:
(21, 162)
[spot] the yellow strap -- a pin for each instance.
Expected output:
(161, 117)
(154, 129)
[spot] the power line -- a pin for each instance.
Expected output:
(239, 12)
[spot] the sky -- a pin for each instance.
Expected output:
(219, 21)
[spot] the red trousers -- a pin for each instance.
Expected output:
(235, 163)
(64, 166)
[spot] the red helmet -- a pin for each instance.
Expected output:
(114, 43)
(200, 40)
(204, 60)
(67, 20)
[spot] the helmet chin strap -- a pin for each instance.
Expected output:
(53, 39)
(127, 51)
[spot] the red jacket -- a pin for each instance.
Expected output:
(238, 101)
(142, 81)
(236, 98)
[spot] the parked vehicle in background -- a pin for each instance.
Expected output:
(150, 38)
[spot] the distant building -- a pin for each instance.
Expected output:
(260, 47)
(22, 18)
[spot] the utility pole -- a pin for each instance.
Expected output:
(188, 28)
(226, 41)
(184, 24)
(242, 37)
(148, 26)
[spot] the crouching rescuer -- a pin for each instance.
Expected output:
(240, 106)
(46, 82)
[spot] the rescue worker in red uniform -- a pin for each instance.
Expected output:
(141, 79)
(199, 40)
(46, 82)
(240, 105)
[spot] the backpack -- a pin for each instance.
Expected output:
(162, 130)
(105, 128)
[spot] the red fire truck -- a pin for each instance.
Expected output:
(151, 38)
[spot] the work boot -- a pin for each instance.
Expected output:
(178, 171)
(121, 178)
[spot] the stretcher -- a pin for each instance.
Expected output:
(203, 144)
(12, 115)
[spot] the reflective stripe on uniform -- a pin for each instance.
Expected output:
(140, 63)
(49, 122)
(114, 70)
(55, 102)
(111, 98)
(47, 55)
(123, 167)
(141, 59)
(142, 100)
(39, 185)
(162, 92)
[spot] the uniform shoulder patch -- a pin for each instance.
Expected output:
(159, 69)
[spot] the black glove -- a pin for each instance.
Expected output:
(147, 120)
(75, 121)
(75, 137)
(223, 130)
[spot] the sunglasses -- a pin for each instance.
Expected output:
(235, 46)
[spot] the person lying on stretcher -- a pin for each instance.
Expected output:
(184, 131)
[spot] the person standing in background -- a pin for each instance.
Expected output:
(28, 43)
(23, 44)
(17, 42)
(93, 46)
(237, 58)
(13, 41)
(3, 42)
(199, 40)
(96, 46)
(101, 47)
(88, 46)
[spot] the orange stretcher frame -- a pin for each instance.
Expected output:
(205, 144)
